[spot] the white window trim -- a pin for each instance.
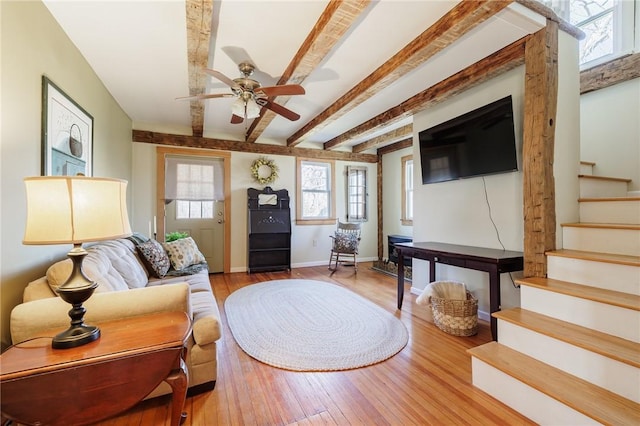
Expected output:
(365, 200)
(626, 33)
(405, 219)
(331, 220)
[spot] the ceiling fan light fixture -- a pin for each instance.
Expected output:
(248, 92)
(237, 107)
(253, 109)
(245, 108)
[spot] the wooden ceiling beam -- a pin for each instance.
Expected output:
(199, 14)
(405, 143)
(385, 139)
(610, 73)
(184, 141)
(484, 70)
(449, 28)
(334, 22)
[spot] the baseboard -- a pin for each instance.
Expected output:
(308, 264)
(326, 262)
(484, 315)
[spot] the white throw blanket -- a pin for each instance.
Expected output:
(444, 290)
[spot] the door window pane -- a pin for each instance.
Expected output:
(186, 209)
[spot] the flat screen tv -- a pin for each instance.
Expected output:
(480, 142)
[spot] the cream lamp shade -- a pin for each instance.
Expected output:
(74, 210)
(63, 209)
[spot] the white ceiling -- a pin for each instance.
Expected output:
(138, 49)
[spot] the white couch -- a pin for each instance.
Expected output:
(125, 289)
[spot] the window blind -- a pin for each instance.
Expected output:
(194, 179)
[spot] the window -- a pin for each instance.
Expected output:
(316, 193)
(356, 194)
(407, 190)
(194, 209)
(607, 24)
(194, 184)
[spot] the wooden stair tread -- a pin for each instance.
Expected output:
(600, 199)
(620, 259)
(588, 163)
(595, 341)
(600, 404)
(633, 227)
(610, 297)
(612, 179)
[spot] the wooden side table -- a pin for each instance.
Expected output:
(484, 259)
(78, 386)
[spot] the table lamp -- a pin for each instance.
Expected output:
(75, 210)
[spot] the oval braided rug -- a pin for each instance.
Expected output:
(307, 325)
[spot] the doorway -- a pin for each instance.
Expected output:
(206, 218)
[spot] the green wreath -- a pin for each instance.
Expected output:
(258, 164)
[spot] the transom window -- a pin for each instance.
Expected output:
(356, 193)
(607, 24)
(315, 192)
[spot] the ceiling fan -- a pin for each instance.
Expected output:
(251, 95)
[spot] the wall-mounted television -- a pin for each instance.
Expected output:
(480, 142)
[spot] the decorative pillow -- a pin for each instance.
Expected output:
(183, 252)
(154, 257)
(345, 243)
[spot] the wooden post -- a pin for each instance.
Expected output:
(380, 210)
(540, 94)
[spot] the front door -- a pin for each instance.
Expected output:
(207, 231)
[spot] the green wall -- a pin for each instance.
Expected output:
(33, 45)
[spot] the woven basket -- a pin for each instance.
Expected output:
(456, 317)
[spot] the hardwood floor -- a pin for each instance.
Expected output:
(427, 383)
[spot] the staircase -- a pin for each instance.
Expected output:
(570, 355)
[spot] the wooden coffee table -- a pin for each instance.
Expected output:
(83, 385)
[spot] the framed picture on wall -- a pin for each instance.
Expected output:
(67, 134)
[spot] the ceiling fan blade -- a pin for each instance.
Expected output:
(236, 119)
(278, 109)
(223, 78)
(208, 96)
(282, 90)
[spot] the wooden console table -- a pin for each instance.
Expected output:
(78, 386)
(488, 260)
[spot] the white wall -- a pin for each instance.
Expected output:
(610, 131)
(567, 139)
(458, 212)
(32, 45)
(304, 252)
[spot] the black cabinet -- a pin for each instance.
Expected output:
(268, 230)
